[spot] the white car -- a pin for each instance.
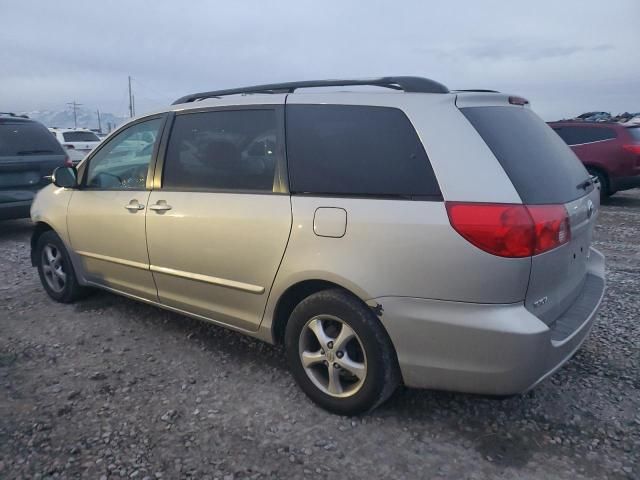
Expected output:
(77, 142)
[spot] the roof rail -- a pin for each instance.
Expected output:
(11, 114)
(407, 84)
(475, 90)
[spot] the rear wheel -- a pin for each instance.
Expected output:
(56, 270)
(604, 183)
(339, 353)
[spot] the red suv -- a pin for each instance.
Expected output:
(610, 151)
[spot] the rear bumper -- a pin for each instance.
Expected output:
(487, 348)
(625, 183)
(11, 210)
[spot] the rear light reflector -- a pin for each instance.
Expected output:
(510, 230)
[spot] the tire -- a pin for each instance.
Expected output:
(605, 192)
(355, 389)
(56, 270)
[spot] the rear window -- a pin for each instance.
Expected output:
(80, 137)
(634, 132)
(542, 168)
(581, 135)
(27, 138)
(356, 150)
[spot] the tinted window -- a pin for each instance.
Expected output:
(634, 132)
(540, 165)
(579, 135)
(27, 138)
(80, 137)
(222, 150)
(355, 150)
(123, 162)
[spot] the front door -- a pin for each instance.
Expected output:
(218, 226)
(106, 215)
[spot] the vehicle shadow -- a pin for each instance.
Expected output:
(15, 229)
(629, 198)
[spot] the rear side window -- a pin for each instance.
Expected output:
(80, 137)
(223, 150)
(27, 138)
(542, 168)
(634, 132)
(580, 135)
(356, 150)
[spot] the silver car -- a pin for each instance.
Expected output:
(399, 234)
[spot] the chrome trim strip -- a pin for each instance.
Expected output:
(119, 261)
(589, 143)
(222, 282)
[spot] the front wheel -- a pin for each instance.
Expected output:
(339, 353)
(56, 270)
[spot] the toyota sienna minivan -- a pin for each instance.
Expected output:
(400, 234)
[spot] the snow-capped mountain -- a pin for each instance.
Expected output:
(86, 118)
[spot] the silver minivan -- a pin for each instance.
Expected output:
(396, 233)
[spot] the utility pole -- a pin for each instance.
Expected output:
(132, 107)
(99, 122)
(74, 105)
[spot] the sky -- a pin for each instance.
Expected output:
(566, 57)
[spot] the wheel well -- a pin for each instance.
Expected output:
(292, 297)
(39, 229)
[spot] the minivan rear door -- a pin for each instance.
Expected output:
(544, 171)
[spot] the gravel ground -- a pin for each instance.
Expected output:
(109, 388)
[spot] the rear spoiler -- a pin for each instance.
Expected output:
(477, 98)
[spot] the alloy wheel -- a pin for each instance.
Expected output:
(52, 268)
(332, 356)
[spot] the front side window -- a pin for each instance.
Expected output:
(123, 163)
(223, 150)
(356, 150)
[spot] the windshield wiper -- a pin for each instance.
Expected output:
(584, 185)
(32, 152)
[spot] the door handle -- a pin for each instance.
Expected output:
(134, 206)
(160, 207)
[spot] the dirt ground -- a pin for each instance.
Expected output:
(110, 388)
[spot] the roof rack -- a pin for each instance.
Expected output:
(406, 84)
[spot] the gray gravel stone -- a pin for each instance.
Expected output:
(110, 388)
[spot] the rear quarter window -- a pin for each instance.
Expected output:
(541, 166)
(634, 132)
(356, 150)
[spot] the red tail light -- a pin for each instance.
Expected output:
(509, 230)
(68, 162)
(633, 148)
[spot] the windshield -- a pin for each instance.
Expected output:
(27, 138)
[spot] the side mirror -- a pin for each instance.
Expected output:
(65, 177)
